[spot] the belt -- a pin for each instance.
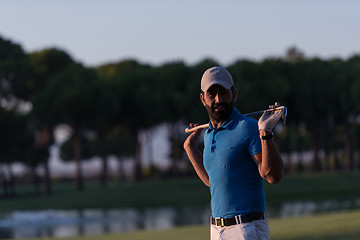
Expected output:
(243, 218)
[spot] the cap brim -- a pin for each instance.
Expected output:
(221, 83)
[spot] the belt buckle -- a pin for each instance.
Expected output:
(219, 222)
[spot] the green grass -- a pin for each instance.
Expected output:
(335, 226)
(181, 192)
(186, 192)
(336, 186)
(344, 226)
(152, 193)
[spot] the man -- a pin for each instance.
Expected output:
(238, 155)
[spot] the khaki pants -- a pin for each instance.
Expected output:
(255, 230)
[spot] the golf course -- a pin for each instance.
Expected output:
(336, 224)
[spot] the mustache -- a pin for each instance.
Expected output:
(217, 105)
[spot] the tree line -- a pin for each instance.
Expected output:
(115, 101)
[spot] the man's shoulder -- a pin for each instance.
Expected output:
(246, 120)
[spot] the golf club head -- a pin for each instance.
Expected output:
(277, 105)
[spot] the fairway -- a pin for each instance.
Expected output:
(344, 226)
(335, 226)
(190, 191)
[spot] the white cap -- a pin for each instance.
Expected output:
(216, 75)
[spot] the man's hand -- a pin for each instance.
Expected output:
(193, 138)
(269, 119)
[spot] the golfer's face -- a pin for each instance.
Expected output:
(219, 102)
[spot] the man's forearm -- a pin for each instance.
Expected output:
(271, 166)
(196, 160)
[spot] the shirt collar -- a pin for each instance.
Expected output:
(228, 124)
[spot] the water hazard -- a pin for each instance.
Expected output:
(66, 223)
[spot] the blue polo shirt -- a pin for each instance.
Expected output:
(236, 186)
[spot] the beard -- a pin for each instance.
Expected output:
(220, 111)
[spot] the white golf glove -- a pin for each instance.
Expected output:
(269, 119)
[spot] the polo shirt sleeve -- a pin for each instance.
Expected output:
(254, 138)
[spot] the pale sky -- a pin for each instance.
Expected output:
(95, 32)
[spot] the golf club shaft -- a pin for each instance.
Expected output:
(262, 111)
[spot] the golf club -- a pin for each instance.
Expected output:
(189, 130)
